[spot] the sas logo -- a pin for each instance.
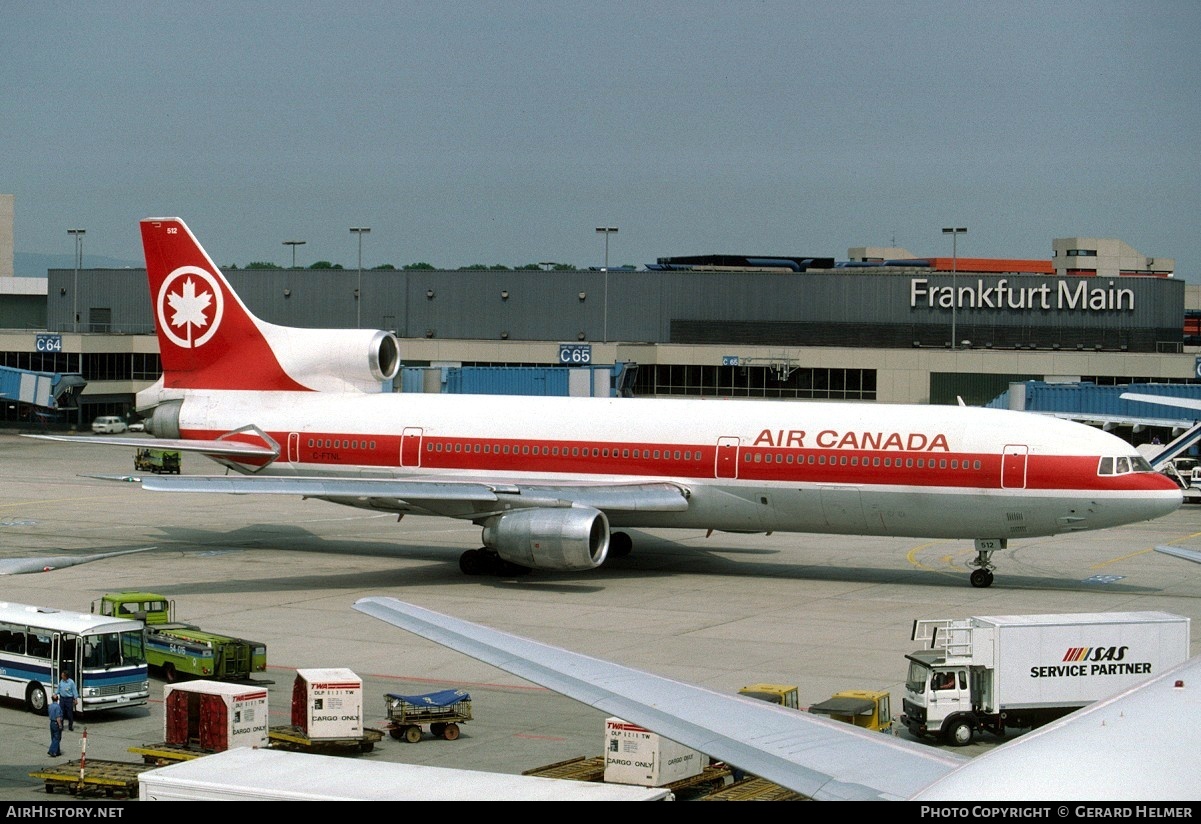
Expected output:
(189, 307)
(1095, 654)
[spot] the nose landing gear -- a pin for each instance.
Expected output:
(982, 576)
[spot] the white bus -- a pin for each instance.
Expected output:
(106, 654)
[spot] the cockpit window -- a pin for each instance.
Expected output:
(1123, 465)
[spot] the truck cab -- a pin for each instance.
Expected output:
(783, 694)
(938, 699)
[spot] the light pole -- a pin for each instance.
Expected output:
(606, 231)
(358, 293)
(294, 244)
(78, 235)
(954, 232)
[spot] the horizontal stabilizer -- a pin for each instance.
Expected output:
(224, 448)
(651, 497)
(310, 487)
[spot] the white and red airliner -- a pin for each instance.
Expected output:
(309, 412)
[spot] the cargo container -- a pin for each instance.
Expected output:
(635, 755)
(1022, 671)
(328, 703)
(214, 715)
(245, 774)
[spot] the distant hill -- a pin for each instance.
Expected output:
(27, 265)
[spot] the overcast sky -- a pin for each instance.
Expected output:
(506, 132)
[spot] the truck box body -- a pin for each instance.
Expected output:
(327, 703)
(1025, 670)
(245, 774)
(214, 715)
(635, 755)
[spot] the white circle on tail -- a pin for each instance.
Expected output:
(189, 307)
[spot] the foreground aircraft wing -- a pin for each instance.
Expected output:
(1134, 746)
(817, 757)
(649, 497)
(46, 563)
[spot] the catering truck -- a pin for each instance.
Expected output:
(1022, 671)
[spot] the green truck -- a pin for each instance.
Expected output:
(159, 461)
(177, 650)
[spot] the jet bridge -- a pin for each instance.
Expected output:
(46, 392)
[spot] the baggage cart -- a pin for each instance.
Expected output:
(442, 711)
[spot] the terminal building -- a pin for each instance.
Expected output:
(882, 325)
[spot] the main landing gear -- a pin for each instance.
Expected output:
(620, 545)
(982, 576)
(484, 561)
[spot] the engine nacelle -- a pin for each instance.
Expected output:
(335, 360)
(567, 539)
(163, 419)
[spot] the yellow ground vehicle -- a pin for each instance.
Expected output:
(784, 694)
(869, 709)
(863, 708)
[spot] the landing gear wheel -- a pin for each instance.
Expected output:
(35, 699)
(473, 562)
(508, 568)
(620, 544)
(981, 578)
(451, 732)
(982, 574)
(413, 734)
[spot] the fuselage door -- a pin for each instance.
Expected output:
(294, 447)
(1013, 466)
(410, 446)
(727, 458)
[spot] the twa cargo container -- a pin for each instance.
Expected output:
(328, 703)
(635, 755)
(214, 715)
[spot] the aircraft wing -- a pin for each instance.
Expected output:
(1180, 552)
(46, 563)
(812, 755)
(440, 496)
